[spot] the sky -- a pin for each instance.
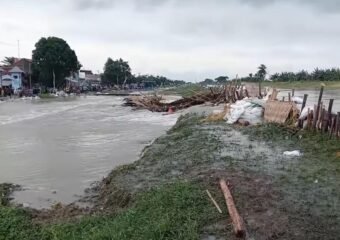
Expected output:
(181, 39)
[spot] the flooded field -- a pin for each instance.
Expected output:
(56, 148)
(313, 96)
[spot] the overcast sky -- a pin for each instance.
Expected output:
(181, 39)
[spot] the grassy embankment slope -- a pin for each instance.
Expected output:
(162, 196)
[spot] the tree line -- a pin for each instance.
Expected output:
(332, 74)
(53, 60)
(258, 76)
(118, 72)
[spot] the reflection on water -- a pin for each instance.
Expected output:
(56, 149)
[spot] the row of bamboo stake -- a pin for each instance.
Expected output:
(320, 118)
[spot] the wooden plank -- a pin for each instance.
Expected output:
(238, 223)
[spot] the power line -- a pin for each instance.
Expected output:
(7, 44)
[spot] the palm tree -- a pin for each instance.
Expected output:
(262, 71)
(8, 61)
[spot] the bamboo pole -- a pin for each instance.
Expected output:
(308, 119)
(314, 117)
(332, 128)
(337, 125)
(246, 92)
(304, 101)
(238, 224)
(305, 96)
(318, 108)
(289, 97)
(330, 107)
(214, 202)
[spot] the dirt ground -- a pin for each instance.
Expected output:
(275, 199)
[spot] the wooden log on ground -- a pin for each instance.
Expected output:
(238, 223)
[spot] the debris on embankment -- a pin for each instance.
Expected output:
(222, 94)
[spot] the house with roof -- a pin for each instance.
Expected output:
(16, 75)
(11, 77)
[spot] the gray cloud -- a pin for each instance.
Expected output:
(96, 4)
(189, 39)
(318, 5)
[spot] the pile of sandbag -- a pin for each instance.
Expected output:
(247, 111)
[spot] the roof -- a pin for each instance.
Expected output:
(16, 70)
(7, 77)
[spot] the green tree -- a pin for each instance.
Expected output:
(116, 72)
(53, 58)
(221, 79)
(262, 71)
(8, 61)
(208, 81)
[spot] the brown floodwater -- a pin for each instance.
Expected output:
(55, 149)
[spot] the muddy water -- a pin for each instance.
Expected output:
(313, 96)
(56, 148)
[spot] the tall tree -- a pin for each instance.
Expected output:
(208, 81)
(8, 61)
(116, 72)
(221, 79)
(262, 71)
(53, 58)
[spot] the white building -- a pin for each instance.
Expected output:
(11, 77)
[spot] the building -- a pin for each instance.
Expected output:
(88, 80)
(17, 75)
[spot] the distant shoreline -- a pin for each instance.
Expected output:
(304, 85)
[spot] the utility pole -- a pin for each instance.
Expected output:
(53, 80)
(30, 74)
(18, 48)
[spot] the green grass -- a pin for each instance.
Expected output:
(176, 211)
(187, 90)
(303, 85)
